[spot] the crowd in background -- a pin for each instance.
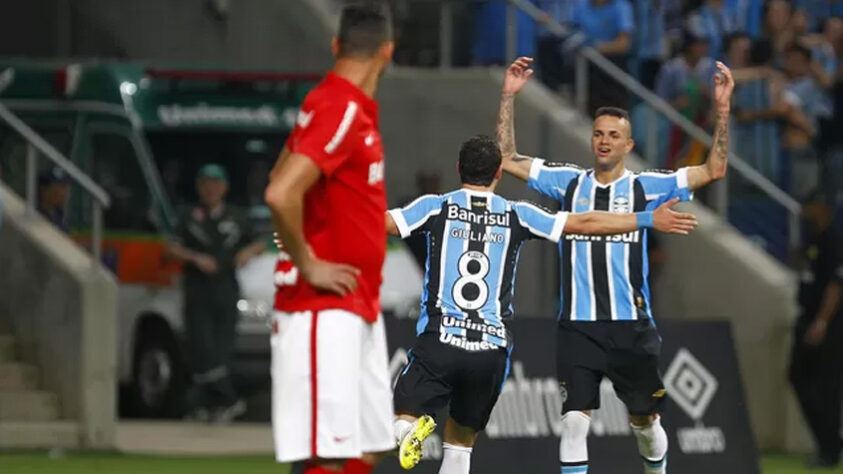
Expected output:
(785, 56)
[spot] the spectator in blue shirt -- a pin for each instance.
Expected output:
(649, 39)
(816, 12)
(607, 26)
(490, 33)
(685, 82)
(807, 97)
(712, 21)
(748, 16)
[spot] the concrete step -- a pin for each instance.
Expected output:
(18, 376)
(39, 434)
(7, 347)
(28, 405)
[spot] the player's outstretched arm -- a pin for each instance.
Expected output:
(391, 227)
(515, 78)
(715, 166)
(663, 219)
(289, 180)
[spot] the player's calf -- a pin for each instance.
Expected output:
(652, 442)
(573, 447)
(456, 450)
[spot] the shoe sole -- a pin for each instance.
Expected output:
(410, 451)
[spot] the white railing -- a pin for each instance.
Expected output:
(35, 145)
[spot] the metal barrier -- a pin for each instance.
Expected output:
(35, 145)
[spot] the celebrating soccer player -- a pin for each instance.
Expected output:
(462, 352)
(605, 323)
(331, 394)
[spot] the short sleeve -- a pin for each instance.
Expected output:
(552, 179)
(324, 133)
(413, 217)
(539, 223)
(660, 187)
(626, 22)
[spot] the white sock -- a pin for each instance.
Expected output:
(573, 446)
(400, 428)
(455, 459)
(652, 445)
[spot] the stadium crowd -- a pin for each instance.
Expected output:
(785, 54)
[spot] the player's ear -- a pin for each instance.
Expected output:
(630, 144)
(499, 173)
(335, 46)
(387, 50)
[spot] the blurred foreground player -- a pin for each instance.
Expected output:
(816, 365)
(474, 236)
(605, 324)
(331, 395)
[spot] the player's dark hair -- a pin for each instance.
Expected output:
(612, 112)
(364, 28)
(480, 159)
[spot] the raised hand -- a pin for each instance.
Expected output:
(669, 221)
(517, 75)
(724, 84)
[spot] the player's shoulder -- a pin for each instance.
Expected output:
(426, 200)
(524, 205)
(655, 173)
(324, 98)
(560, 165)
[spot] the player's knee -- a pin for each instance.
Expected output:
(575, 426)
(642, 421)
(459, 435)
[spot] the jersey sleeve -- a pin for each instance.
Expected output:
(551, 179)
(414, 217)
(324, 133)
(660, 187)
(540, 223)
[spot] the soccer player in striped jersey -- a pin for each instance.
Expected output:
(462, 352)
(605, 323)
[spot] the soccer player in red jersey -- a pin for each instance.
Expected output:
(331, 394)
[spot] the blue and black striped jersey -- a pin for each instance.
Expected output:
(473, 241)
(605, 277)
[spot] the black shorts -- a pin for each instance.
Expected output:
(439, 373)
(627, 352)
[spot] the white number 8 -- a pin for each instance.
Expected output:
(476, 278)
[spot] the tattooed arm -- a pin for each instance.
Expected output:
(715, 166)
(514, 79)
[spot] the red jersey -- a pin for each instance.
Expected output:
(337, 128)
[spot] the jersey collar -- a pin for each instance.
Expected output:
(625, 174)
(370, 105)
